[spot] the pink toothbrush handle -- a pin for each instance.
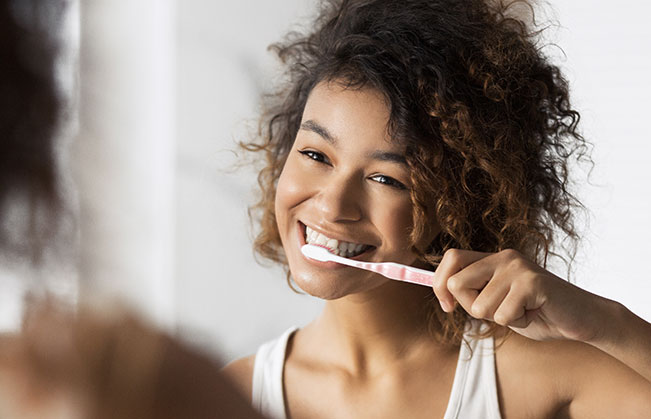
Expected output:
(418, 276)
(400, 272)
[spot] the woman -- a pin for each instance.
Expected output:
(434, 134)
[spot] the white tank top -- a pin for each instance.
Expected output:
(474, 390)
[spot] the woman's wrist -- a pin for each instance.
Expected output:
(611, 324)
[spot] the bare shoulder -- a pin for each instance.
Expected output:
(565, 379)
(240, 372)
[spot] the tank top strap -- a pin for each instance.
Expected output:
(474, 390)
(267, 387)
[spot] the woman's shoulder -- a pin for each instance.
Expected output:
(533, 376)
(240, 373)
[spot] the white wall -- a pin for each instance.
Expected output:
(608, 48)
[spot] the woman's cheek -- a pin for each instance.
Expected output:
(289, 193)
(399, 220)
(400, 223)
(396, 225)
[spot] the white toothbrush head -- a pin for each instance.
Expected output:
(317, 253)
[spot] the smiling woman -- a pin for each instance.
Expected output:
(433, 133)
(338, 182)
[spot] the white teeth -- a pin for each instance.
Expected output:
(321, 239)
(340, 248)
(332, 244)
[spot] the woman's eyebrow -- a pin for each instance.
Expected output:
(311, 125)
(389, 157)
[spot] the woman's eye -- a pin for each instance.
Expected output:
(314, 155)
(389, 181)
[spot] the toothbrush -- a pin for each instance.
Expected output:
(391, 270)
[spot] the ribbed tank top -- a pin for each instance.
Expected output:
(473, 395)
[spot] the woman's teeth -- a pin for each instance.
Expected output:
(340, 248)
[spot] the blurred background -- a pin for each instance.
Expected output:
(160, 93)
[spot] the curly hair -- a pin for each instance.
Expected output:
(484, 116)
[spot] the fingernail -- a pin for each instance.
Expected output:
(444, 306)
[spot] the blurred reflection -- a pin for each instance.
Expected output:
(94, 360)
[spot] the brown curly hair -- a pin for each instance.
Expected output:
(484, 116)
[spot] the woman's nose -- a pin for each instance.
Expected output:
(340, 199)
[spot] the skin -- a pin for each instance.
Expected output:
(369, 354)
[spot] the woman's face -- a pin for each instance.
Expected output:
(345, 185)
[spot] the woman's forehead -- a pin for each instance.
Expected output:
(341, 114)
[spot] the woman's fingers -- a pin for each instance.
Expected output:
(521, 303)
(489, 299)
(469, 283)
(499, 287)
(453, 262)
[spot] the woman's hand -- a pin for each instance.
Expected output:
(512, 291)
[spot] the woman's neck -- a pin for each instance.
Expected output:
(370, 331)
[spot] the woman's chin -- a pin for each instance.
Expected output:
(329, 287)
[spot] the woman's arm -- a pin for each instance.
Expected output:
(512, 291)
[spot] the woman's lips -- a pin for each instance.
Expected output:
(327, 265)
